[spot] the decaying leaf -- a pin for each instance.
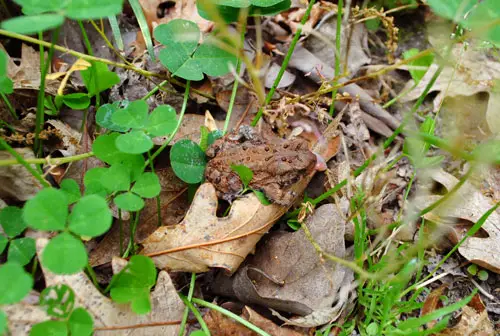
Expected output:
(203, 240)
(109, 318)
(288, 274)
(467, 204)
(16, 181)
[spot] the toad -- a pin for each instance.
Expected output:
(276, 164)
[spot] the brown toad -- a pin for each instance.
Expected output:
(276, 164)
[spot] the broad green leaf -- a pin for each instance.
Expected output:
(33, 24)
(105, 149)
(188, 161)
(52, 328)
(214, 135)
(425, 61)
(51, 108)
(133, 284)
(93, 182)
(116, 178)
(64, 254)
(451, 9)
(93, 9)
(3, 243)
(3, 63)
(21, 250)
(76, 101)
(162, 121)
(47, 211)
(6, 85)
(245, 173)
(135, 115)
(90, 217)
(483, 275)
(261, 197)
(180, 38)
(230, 10)
(212, 60)
(80, 323)
(135, 164)
(488, 152)
(105, 78)
(484, 20)
(147, 185)
(104, 115)
(129, 202)
(58, 300)
(12, 221)
(15, 283)
(71, 189)
(31, 7)
(134, 142)
(3, 322)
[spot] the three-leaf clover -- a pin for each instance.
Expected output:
(185, 57)
(133, 284)
(44, 15)
(21, 250)
(48, 211)
(6, 85)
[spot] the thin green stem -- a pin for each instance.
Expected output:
(115, 28)
(22, 161)
(179, 122)
(93, 277)
(9, 105)
(155, 89)
(158, 200)
(133, 227)
(93, 69)
(285, 63)
(196, 314)
(143, 24)
(186, 310)
(230, 315)
(338, 39)
(40, 111)
(48, 161)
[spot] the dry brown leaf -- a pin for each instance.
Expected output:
(267, 325)
(16, 181)
(467, 204)
(221, 325)
(109, 318)
(202, 240)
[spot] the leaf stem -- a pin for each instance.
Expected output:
(48, 161)
(93, 69)
(179, 122)
(196, 313)
(22, 161)
(338, 39)
(186, 310)
(285, 63)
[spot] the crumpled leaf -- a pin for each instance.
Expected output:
(467, 204)
(202, 240)
(166, 307)
(288, 274)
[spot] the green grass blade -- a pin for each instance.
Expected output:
(141, 19)
(115, 28)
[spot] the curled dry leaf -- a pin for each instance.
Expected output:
(109, 318)
(202, 240)
(467, 204)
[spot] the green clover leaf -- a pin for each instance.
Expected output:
(64, 254)
(188, 161)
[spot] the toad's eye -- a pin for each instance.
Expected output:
(266, 149)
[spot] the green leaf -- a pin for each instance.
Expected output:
(48, 103)
(245, 174)
(36, 6)
(212, 60)
(188, 161)
(15, 283)
(71, 189)
(6, 85)
(129, 202)
(52, 328)
(230, 9)
(21, 250)
(482, 18)
(116, 178)
(58, 300)
(47, 211)
(416, 148)
(147, 185)
(90, 217)
(135, 115)
(104, 147)
(424, 61)
(162, 121)
(488, 152)
(105, 78)
(133, 284)
(80, 323)
(483, 275)
(76, 101)
(3, 323)
(261, 197)
(203, 143)
(3, 243)
(136, 165)
(93, 182)
(134, 142)
(104, 115)
(12, 221)
(64, 254)
(451, 9)
(93, 9)
(3, 63)
(472, 269)
(214, 135)
(33, 24)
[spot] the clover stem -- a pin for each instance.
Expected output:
(22, 161)
(154, 90)
(285, 63)
(196, 314)
(179, 122)
(48, 161)
(186, 310)
(158, 200)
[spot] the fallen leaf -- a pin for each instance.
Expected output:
(221, 325)
(16, 181)
(109, 318)
(267, 325)
(467, 204)
(202, 240)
